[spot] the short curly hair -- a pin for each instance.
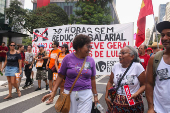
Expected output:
(80, 40)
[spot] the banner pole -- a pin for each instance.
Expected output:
(155, 30)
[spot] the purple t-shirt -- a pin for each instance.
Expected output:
(71, 66)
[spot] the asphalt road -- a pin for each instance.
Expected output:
(30, 101)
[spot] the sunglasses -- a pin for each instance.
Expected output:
(12, 45)
(154, 48)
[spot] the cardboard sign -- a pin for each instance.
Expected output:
(128, 95)
(39, 63)
(17, 77)
(55, 76)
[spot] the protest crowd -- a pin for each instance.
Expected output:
(143, 69)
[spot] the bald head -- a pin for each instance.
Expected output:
(142, 49)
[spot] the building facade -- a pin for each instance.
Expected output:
(69, 8)
(167, 13)
(162, 10)
(147, 36)
(5, 30)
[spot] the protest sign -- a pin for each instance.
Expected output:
(106, 41)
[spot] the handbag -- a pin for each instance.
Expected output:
(113, 90)
(63, 103)
(53, 69)
(94, 109)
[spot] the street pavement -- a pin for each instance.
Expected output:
(30, 101)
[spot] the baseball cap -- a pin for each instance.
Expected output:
(40, 46)
(64, 45)
(163, 25)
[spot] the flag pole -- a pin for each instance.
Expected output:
(155, 30)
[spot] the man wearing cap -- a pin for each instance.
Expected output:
(144, 57)
(51, 62)
(41, 59)
(158, 89)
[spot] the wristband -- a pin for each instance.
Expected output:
(95, 95)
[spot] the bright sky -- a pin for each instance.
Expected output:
(128, 11)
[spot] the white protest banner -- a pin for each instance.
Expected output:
(106, 41)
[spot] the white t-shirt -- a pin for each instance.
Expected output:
(162, 88)
(131, 77)
(29, 57)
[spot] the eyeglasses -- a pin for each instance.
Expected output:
(122, 53)
(62, 47)
(89, 46)
(12, 45)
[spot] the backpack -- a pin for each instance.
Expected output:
(157, 58)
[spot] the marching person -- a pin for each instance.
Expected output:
(41, 59)
(155, 48)
(13, 65)
(29, 61)
(85, 87)
(134, 78)
(149, 51)
(144, 57)
(21, 52)
(62, 54)
(158, 79)
(3, 51)
(51, 62)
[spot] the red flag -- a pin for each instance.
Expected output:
(41, 3)
(146, 9)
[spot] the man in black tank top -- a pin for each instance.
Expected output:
(41, 59)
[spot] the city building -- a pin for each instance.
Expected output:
(153, 33)
(162, 10)
(147, 36)
(5, 31)
(167, 13)
(69, 8)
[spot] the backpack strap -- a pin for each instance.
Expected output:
(157, 59)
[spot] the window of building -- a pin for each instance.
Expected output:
(2, 7)
(68, 10)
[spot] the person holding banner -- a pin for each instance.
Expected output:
(85, 87)
(41, 59)
(13, 66)
(128, 75)
(51, 62)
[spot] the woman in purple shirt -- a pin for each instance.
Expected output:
(85, 87)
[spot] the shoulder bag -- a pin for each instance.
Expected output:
(63, 103)
(113, 90)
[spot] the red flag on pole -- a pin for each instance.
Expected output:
(41, 3)
(146, 9)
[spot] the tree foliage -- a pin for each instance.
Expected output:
(27, 41)
(48, 16)
(16, 16)
(159, 36)
(91, 13)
